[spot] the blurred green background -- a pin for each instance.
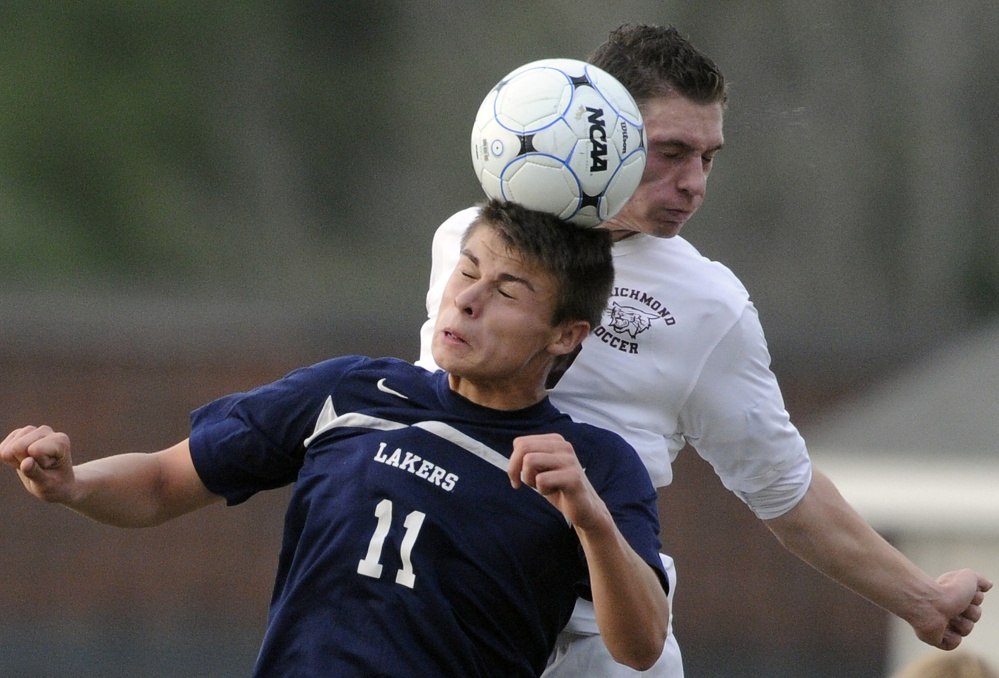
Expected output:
(301, 153)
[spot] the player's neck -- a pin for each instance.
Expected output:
(621, 235)
(498, 395)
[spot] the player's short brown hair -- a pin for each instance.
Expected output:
(656, 61)
(579, 258)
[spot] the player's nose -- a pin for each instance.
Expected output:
(693, 179)
(469, 300)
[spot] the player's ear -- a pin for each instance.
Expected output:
(568, 336)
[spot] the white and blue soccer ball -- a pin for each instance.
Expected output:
(560, 136)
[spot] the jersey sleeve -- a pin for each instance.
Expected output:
(246, 443)
(446, 252)
(736, 420)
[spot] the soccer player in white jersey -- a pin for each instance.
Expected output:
(441, 523)
(681, 358)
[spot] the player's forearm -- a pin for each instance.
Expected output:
(826, 532)
(121, 490)
(138, 490)
(631, 607)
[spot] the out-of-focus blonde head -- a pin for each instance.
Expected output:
(948, 665)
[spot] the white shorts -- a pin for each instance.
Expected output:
(583, 654)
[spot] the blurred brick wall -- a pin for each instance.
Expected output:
(742, 599)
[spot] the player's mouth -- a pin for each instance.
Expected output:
(452, 337)
(677, 216)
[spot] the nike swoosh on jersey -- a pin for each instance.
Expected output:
(385, 389)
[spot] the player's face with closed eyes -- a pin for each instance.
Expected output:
(683, 139)
(494, 331)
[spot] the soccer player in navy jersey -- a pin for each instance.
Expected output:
(442, 524)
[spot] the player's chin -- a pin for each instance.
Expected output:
(444, 360)
(452, 360)
(667, 228)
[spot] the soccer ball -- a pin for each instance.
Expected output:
(560, 136)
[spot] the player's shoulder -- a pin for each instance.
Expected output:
(596, 446)
(704, 269)
(359, 367)
(457, 223)
(357, 381)
(685, 278)
(445, 247)
(381, 368)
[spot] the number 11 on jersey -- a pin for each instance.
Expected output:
(370, 567)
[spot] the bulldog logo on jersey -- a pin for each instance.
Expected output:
(631, 320)
(628, 320)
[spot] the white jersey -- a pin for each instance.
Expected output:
(679, 357)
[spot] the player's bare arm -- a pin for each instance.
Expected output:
(127, 490)
(631, 606)
(826, 532)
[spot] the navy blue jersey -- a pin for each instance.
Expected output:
(406, 550)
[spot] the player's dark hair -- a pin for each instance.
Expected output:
(656, 61)
(578, 257)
